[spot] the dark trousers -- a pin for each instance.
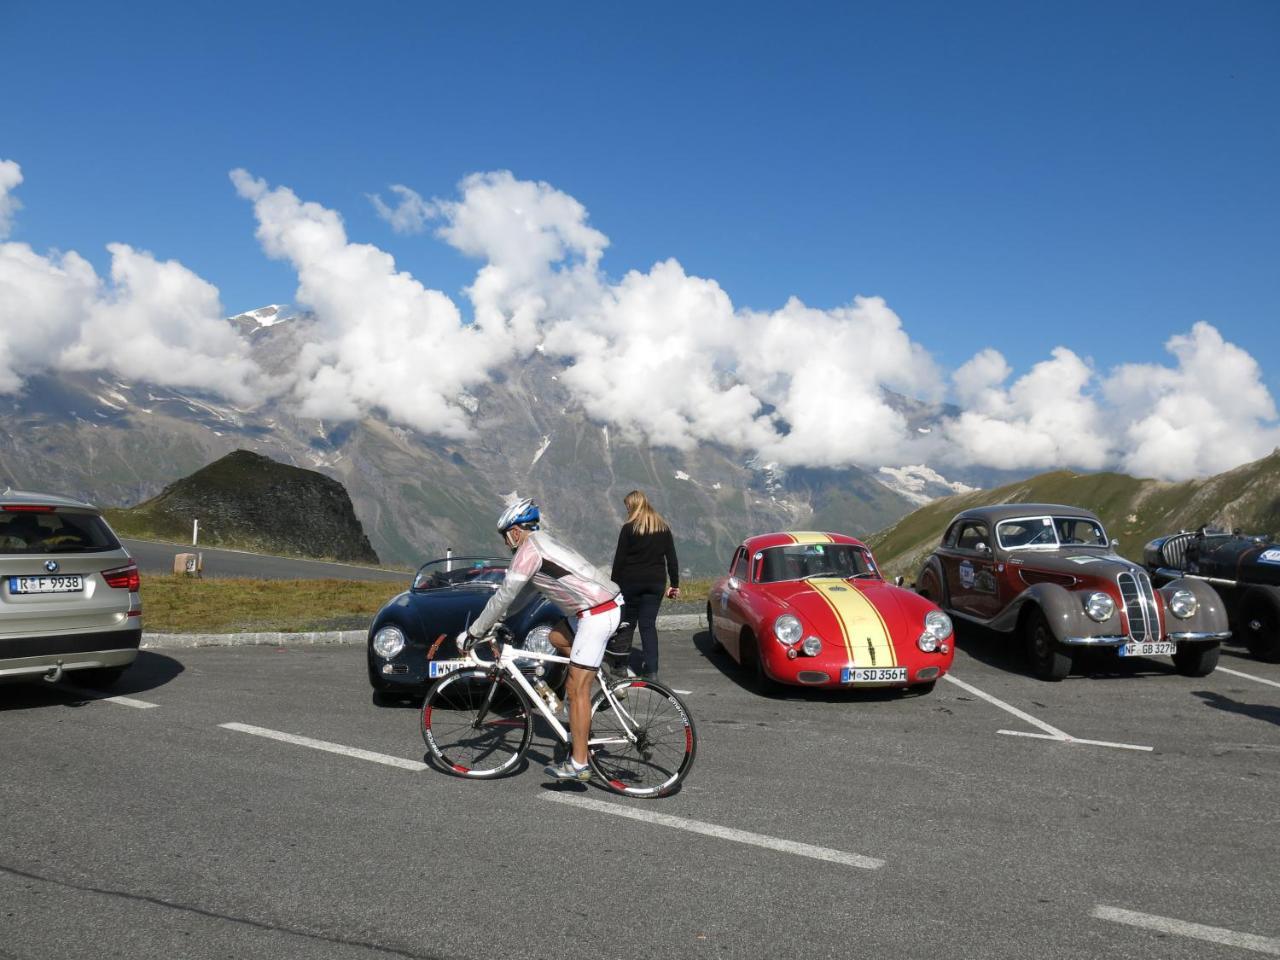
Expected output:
(640, 609)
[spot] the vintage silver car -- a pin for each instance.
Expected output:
(69, 602)
(1048, 575)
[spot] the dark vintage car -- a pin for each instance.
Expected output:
(812, 609)
(445, 596)
(1244, 570)
(1049, 575)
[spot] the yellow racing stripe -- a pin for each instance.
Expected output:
(805, 536)
(866, 638)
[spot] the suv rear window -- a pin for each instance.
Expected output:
(25, 531)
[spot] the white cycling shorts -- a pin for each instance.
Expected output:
(590, 634)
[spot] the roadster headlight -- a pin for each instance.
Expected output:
(1100, 607)
(937, 624)
(539, 640)
(927, 642)
(388, 641)
(812, 646)
(1183, 604)
(787, 629)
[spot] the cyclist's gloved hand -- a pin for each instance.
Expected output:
(463, 641)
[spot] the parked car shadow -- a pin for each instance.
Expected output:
(1005, 652)
(150, 671)
(1257, 711)
(744, 678)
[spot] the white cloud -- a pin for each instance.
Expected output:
(409, 215)
(10, 177)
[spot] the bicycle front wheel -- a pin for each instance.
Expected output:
(645, 746)
(476, 724)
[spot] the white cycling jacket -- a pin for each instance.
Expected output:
(562, 575)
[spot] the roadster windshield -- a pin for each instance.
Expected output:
(1050, 532)
(457, 571)
(800, 560)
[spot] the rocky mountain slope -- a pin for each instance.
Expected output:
(118, 443)
(1132, 510)
(250, 502)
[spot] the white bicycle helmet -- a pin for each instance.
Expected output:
(522, 513)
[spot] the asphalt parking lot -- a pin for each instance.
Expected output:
(1126, 813)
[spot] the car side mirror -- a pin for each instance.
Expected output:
(982, 548)
(1115, 541)
(897, 581)
(734, 583)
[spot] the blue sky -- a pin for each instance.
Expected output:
(1094, 175)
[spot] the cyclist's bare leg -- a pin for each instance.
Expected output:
(561, 639)
(578, 690)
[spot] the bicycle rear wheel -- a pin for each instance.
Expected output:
(476, 724)
(649, 749)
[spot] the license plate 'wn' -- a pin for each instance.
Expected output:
(438, 668)
(1162, 648)
(63, 584)
(873, 674)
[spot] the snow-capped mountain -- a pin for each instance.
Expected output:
(117, 443)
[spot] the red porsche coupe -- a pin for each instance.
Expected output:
(812, 609)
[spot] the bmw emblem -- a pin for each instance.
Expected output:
(51, 565)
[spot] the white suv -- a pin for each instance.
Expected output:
(69, 599)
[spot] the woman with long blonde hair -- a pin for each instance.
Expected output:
(643, 563)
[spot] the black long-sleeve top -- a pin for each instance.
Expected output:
(645, 558)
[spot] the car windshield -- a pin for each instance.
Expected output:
(1050, 532)
(53, 531)
(457, 571)
(801, 560)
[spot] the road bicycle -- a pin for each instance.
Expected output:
(477, 721)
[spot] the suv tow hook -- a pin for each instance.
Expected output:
(55, 673)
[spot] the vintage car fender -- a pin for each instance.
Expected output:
(1064, 611)
(1209, 622)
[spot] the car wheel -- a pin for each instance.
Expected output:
(1047, 658)
(716, 645)
(1196, 661)
(927, 586)
(751, 652)
(1260, 623)
(97, 677)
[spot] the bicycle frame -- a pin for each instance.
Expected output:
(506, 663)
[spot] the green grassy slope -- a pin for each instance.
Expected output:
(1133, 510)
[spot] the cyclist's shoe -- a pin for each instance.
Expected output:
(565, 770)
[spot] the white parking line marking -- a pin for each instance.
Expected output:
(683, 693)
(1091, 743)
(1198, 931)
(723, 833)
(325, 745)
(1051, 732)
(123, 701)
(1249, 676)
(1054, 732)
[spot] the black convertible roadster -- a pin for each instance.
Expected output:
(1245, 570)
(446, 595)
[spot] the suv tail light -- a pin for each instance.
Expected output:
(123, 578)
(26, 508)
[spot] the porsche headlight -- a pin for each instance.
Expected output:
(538, 640)
(1100, 607)
(937, 624)
(927, 642)
(812, 646)
(787, 629)
(388, 641)
(1183, 604)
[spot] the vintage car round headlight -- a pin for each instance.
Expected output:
(1100, 607)
(787, 629)
(927, 642)
(539, 639)
(937, 624)
(388, 641)
(812, 646)
(1183, 604)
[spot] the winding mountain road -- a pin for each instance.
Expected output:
(157, 557)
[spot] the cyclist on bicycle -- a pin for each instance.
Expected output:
(589, 600)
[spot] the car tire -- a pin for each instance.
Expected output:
(1197, 661)
(98, 677)
(716, 645)
(762, 682)
(1046, 657)
(1260, 623)
(928, 586)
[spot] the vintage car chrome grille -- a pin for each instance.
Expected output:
(1139, 606)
